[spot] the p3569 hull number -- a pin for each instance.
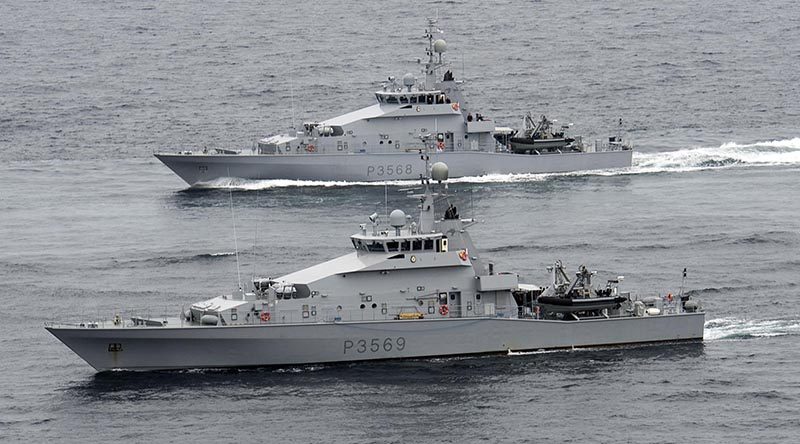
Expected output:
(374, 345)
(390, 170)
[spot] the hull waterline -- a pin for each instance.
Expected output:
(158, 348)
(199, 169)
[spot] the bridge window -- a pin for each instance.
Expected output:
(376, 246)
(405, 246)
(416, 245)
(428, 244)
(403, 99)
(391, 99)
(413, 99)
(392, 245)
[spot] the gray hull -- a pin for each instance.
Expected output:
(146, 348)
(197, 169)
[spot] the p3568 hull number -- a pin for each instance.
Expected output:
(374, 345)
(390, 170)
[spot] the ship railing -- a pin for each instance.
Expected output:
(381, 313)
(144, 317)
(616, 145)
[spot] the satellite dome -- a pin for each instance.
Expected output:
(397, 218)
(439, 46)
(409, 79)
(439, 171)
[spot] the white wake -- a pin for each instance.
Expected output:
(727, 155)
(736, 328)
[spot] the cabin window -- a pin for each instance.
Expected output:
(376, 246)
(392, 245)
(413, 99)
(405, 246)
(403, 99)
(301, 291)
(391, 99)
(429, 99)
(428, 244)
(355, 244)
(416, 245)
(284, 292)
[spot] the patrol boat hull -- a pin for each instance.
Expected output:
(201, 169)
(158, 348)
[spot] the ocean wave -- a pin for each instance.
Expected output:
(727, 155)
(736, 328)
(168, 260)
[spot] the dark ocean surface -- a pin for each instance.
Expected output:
(91, 223)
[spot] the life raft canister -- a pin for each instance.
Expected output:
(265, 317)
(462, 255)
(443, 310)
(456, 106)
(311, 148)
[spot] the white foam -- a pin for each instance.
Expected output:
(727, 155)
(736, 328)
(730, 154)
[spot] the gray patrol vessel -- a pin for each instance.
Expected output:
(417, 288)
(380, 142)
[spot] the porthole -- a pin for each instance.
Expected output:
(413, 259)
(478, 297)
(421, 303)
(363, 306)
(374, 305)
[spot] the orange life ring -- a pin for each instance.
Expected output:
(265, 317)
(443, 310)
(462, 255)
(311, 148)
(455, 106)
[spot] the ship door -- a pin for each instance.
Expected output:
(448, 141)
(455, 303)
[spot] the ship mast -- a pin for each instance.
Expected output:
(437, 46)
